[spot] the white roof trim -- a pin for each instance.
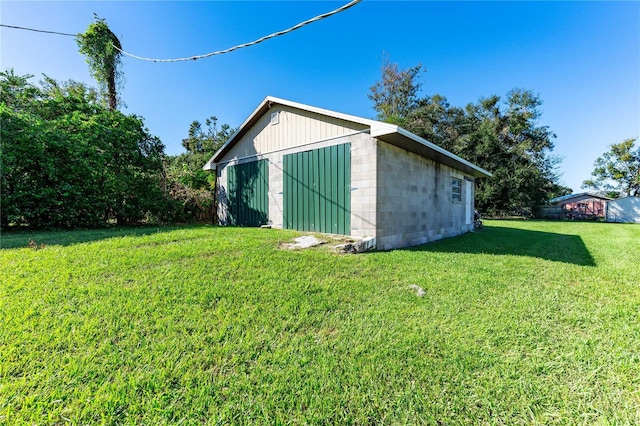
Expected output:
(378, 129)
(442, 151)
(321, 111)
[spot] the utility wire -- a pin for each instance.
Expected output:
(251, 43)
(218, 52)
(38, 31)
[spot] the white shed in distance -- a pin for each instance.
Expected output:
(625, 210)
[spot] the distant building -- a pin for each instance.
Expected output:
(587, 205)
(624, 210)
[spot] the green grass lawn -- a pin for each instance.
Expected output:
(521, 323)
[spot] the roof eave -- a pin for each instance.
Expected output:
(210, 166)
(390, 133)
(568, 197)
(265, 105)
(406, 140)
(257, 113)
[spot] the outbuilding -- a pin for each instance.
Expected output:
(586, 205)
(295, 166)
(624, 210)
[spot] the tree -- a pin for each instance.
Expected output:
(618, 170)
(501, 137)
(103, 51)
(435, 120)
(200, 145)
(209, 141)
(68, 161)
(395, 95)
(510, 143)
(186, 182)
(15, 90)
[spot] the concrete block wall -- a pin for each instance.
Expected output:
(397, 197)
(414, 199)
(363, 186)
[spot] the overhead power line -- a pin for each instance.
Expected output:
(217, 52)
(37, 31)
(251, 43)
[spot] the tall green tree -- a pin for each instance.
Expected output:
(186, 182)
(206, 141)
(435, 120)
(504, 137)
(200, 145)
(394, 96)
(618, 170)
(17, 93)
(103, 52)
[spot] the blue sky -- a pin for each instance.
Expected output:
(581, 58)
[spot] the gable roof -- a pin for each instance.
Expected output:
(582, 194)
(386, 132)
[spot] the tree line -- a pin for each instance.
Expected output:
(68, 160)
(503, 135)
(617, 171)
(500, 134)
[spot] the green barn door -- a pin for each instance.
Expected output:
(317, 190)
(248, 193)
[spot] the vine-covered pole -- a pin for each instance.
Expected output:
(103, 52)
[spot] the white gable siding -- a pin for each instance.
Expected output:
(294, 128)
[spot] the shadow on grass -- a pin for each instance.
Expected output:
(519, 242)
(23, 239)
